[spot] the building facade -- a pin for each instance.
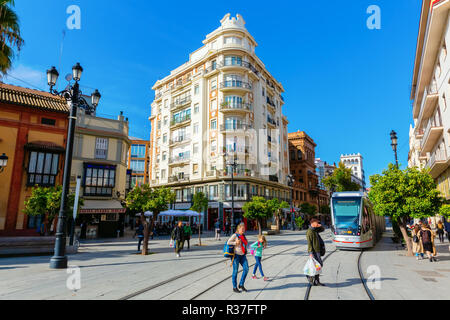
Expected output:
(223, 101)
(430, 138)
(303, 169)
(33, 134)
(139, 161)
(354, 162)
(100, 154)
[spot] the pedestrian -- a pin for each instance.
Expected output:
(227, 228)
(316, 247)
(259, 246)
(217, 228)
(140, 234)
(440, 231)
(447, 228)
(240, 243)
(187, 235)
(178, 237)
(427, 237)
(417, 246)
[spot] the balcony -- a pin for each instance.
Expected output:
(238, 64)
(235, 85)
(180, 121)
(270, 102)
(271, 122)
(179, 178)
(180, 83)
(235, 107)
(179, 103)
(273, 178)
(432, 134)
(235, 127)
(179, 160)
(429, 102)
(180, 139)
(270, 85)
(437, 164)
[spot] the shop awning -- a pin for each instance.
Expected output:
(102, 207)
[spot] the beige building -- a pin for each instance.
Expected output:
(430, 137)
(100, 157)
(223, 100)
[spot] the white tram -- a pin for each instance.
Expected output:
(354, 224)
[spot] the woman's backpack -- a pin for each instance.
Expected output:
(228, 251)
(426, 236)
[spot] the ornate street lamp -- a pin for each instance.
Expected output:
(290, 178)
(3, 162)
(233, 165)
(394, 144)
(73, 95)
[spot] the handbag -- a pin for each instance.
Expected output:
(416, 239)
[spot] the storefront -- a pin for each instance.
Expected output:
(100, 219)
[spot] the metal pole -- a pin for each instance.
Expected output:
(396, 159)
(59, 259)
(232, 196)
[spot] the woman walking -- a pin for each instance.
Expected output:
(178, 237)
(440, 231)
(240, 243)
(187, 234)
(427, 237)
(217, 228)
(259, 246)
(417, 242)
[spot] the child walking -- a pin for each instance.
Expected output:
(259, 246)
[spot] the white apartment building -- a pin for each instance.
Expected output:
(354, 162)
(223, 101)
(430, 138)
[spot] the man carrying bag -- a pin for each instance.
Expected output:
(316, 247)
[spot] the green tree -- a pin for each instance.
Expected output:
(46, 201)
(258, 209)
(299, 222)
(445, 211)
(275, 206)
(10, 37)
(199, 204)
(142, 199)
(308, 209)
(341, 180)
(404, 194)
(325, 209)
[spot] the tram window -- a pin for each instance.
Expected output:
(366, 220)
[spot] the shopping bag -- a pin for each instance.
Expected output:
(312, 267)
(171, 244)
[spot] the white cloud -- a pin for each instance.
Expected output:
(25, 76)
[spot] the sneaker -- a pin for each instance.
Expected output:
(266, 279)
(236, 290)
(254, 277)
(431, 260)
(243, 288)
(417, 258)
(178, 255)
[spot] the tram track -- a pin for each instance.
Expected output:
(191, 272)
(360, 274)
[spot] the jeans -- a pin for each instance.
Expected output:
(239, 260)
(139, 243)
(258, 265)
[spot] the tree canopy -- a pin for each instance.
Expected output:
(258, 209)
(341, 180)
(10, 36)
(308, 209)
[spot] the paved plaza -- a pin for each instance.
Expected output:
(114, 270)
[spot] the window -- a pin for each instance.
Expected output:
(233, 61)
(299, 155)
(232, 40)
(213, 145)
(101, 148)
(214, 124)
(213, 65)
(213, 192)
(42, 168)
(138, 151)
(159, 125)
(213, 84)
(163, 173)
(195, 168)
(196, 108)
(195, 148)
(166, 103)
(138, 166)
(165, 138)
(196, 89)
(99, 180)
(195, 128)
(164, 156)
(166, 120)
(214, 105)
(49, 122)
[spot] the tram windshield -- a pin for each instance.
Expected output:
(346, 213)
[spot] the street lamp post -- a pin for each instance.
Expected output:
(3, 162)
(394, 143)
(71, 94)
(291, 184)
(233, 165)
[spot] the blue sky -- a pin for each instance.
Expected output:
(346, 86)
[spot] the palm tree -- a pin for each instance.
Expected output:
(10, 38)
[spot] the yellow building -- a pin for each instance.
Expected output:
(33, 131)
(100, 158)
